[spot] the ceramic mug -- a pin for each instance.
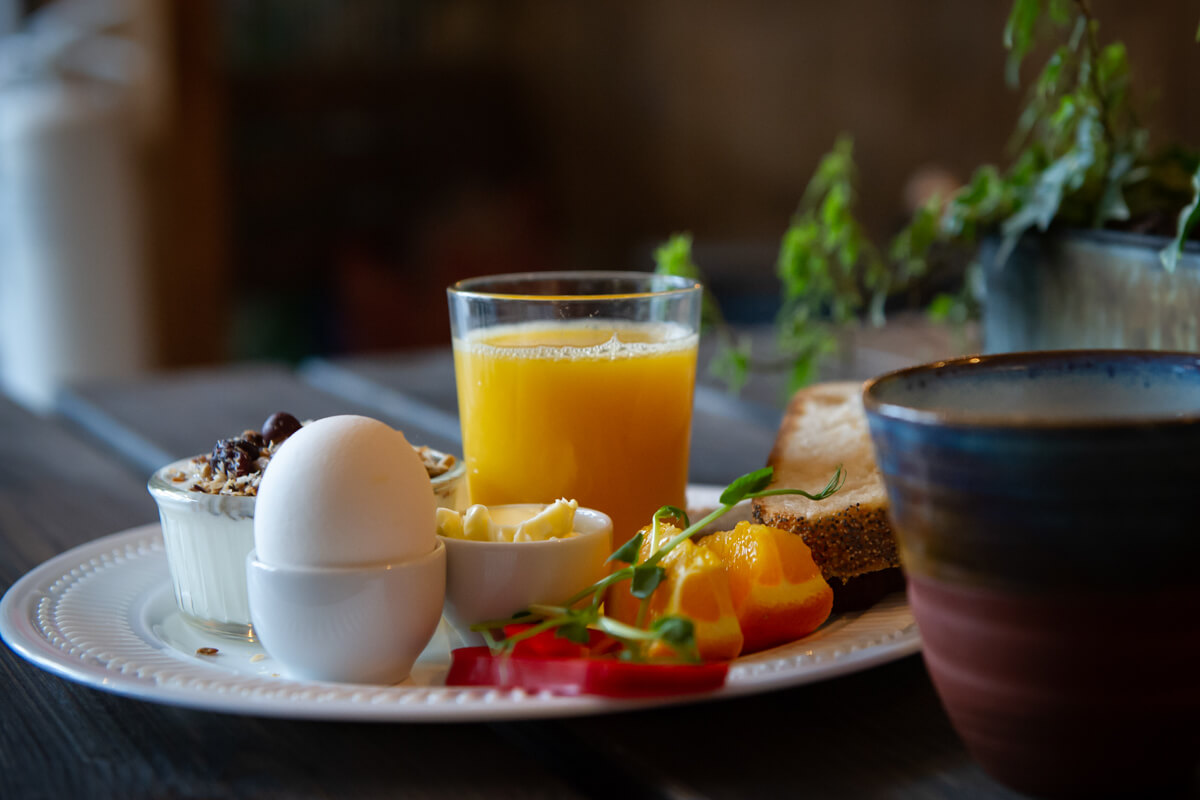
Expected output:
(1044, 505)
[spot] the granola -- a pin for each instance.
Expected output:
(236, 465)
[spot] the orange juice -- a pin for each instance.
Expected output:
(599, 412)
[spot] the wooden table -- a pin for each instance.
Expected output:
(80, 474)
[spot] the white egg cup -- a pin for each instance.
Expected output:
(347, 624)
(494, 580)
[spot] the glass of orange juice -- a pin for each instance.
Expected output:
(577, 385)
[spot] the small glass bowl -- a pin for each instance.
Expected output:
(208, 536)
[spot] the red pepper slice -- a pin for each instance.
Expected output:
(608, 677)
(549, 643)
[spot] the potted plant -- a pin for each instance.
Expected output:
(1079, 242)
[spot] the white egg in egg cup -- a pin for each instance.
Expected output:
(347, 577)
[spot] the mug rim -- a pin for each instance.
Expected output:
(966, 418)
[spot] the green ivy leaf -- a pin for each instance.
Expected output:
(1044, 200)
(747, 484)
(981, 201)
(910, 248)
(825, 262)
(833, 213)
(628, 552)
(848, 252)
(645, 580)
(1113, 65)
(731, 364)
(1077, 33)
(1112, 205)
(1047, 83)
(1188, 218)
(836, 166)
(794, 265)
(941, 307)
(1018, 36)
(674, 257)
(803, 372)
(875, 309)
(1060, 11)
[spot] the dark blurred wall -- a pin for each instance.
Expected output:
(378, 150)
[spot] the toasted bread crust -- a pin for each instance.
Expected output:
(849, 533)
(845, 543)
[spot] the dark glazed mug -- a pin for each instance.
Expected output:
(1045, 505)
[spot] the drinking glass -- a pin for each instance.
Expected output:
(577, 385)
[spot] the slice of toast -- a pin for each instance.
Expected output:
(848, 532)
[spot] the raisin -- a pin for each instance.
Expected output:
(279, 426)
(234, 457)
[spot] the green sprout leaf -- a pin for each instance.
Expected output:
(675, 630)
(628, 552)
(576, 632)
(672, 512)
(836, 482)
(646, 579)
(747, 484)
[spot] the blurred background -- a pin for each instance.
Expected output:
(202, 181)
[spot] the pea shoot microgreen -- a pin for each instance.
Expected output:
(573, 617)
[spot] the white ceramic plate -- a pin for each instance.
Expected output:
(104, 614)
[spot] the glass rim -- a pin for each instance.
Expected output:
(468, 287)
